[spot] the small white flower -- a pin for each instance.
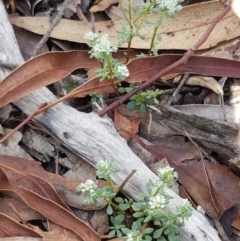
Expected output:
(157, 202)
(105, 168)
(122, 71)
(91, 38)
(171, 6)
(166, 174)
(88, 187)
(102, 46)
(157, 205)
(185, 209)
(132, 236)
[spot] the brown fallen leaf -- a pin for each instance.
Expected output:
(178, 33)
(102, 5)
(123, 123)
(204, 81)
(23, 210)
(12, 228)
(50, 67)
(66, 187)
(50, 210)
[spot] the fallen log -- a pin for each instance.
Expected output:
(93, 138)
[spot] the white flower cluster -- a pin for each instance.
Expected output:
(132, 236)
(122, 72)
(101, 46)
(105, 168)
(185, 209)
(171, 6)
(102, 50)
(89, 187)
(166, 174)
(157, 202)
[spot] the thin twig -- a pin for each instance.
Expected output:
(177, 90)
(119, 189)
(54, 23)
(181, 61)
(210, 187)
(23, 123)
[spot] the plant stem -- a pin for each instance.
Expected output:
(131, 28)
(181, 61)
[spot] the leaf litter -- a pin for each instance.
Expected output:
(35, 189)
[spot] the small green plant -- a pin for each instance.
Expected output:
(142, 98)
(95, 97)
(102, 49)
(152, 220)
(132, 25)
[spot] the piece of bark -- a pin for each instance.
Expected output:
(219, 136)
(95, 139)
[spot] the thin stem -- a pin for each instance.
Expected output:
(181, 61)
(122, 10)
(152, 41)
(109, 61)
(109, 180)
(131, 28)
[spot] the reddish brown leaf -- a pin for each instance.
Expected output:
(35, 168)
(12, 228)
(22, 209)
(123, 123)
(142, 69)
(51, 67)
(50, 210)
(41, 71)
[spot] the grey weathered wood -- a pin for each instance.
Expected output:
(95, 139)
(220, 136)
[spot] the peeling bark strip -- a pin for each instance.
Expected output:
(220, 136)
(94, 139)
(223, 137)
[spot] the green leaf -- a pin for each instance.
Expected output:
(125, 230)
(158, 23)
(138, 206)
(147, 237)
(159, 37)
(129, 89)
(147, 219)
(131, 105)
(157, 233)
(155, 100)
(138, 214)
(134, 226)
(119, 218)
(119, 200)
(161, 239)
(121, 90)
(112, 234)
(119, 234)
(114, 221)
(123, 206)
(143, 108)
(148, 230)
(142, 37)
(109, 210)
(148, 21)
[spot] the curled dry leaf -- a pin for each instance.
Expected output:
(13, 228)
(207, 82)
(102, 5)
(42, 70)
(213, 97)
